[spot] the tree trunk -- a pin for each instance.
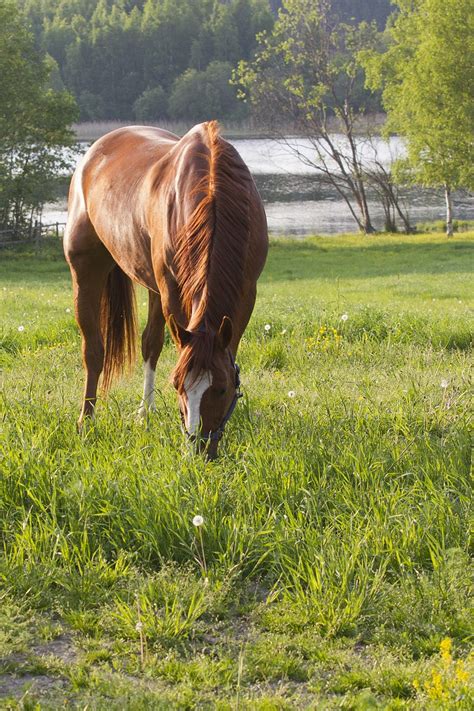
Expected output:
(364, 208)
(368, 227)
(449, 211)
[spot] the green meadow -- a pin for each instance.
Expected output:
(332, 569)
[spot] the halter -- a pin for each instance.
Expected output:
(216, 435)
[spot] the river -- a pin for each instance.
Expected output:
(297, 200)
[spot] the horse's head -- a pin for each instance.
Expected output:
(207, 381)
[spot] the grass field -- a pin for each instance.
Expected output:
(332, 569)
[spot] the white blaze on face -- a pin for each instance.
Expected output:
(194, 390)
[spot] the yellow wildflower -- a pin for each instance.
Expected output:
(461, 674)
(445, 648)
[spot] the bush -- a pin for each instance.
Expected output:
(206, 95)
(150, 105)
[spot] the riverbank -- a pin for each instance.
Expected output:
(92, 130)
(331, 570)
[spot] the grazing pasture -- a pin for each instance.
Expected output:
(331, 569)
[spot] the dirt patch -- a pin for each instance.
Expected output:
(37, 684)
(61, 647)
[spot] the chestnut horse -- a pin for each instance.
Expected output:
(183, 218)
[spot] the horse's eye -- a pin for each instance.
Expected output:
(221, 392)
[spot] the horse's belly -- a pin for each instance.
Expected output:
(129, 246)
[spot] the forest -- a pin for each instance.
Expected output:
(153, 59)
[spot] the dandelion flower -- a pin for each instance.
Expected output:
(344, 317)
(444, 383)
(21, 328)
(267, 327)
(68, 311)
(291, 393)
(198, 521)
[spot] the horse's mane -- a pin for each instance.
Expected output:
(211, 250)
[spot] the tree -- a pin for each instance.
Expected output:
(201, 96)
(151, 105)
(34, 123)
(426, 76)
(306, 75)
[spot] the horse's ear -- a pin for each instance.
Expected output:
(224, 335)
(179, 334)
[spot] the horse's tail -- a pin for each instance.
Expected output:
(119, 325)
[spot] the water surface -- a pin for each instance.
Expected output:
(297, 199)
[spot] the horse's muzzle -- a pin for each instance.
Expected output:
(203, 445)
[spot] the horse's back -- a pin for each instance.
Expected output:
(106, 198)
(139, 184)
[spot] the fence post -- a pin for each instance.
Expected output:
(37, 236)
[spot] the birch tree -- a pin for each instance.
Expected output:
(426, 75)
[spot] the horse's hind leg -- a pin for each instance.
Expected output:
(90, 264)
(152, 343)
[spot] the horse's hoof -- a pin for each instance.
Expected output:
(84, 424)
(143, 412)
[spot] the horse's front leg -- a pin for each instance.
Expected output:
(152, 344)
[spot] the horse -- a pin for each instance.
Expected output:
(183, 218)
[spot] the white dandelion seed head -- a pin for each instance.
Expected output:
(21, 328)
(291, 393)
(267, 327)
(444, 383)
(68, 311)
(344, 317)
(198, 521)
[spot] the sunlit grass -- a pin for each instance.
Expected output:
(337, 519)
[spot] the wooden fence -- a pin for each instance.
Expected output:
(34, 235)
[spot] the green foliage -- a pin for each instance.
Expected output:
(111, 54)
(201, 96)
(151, 105)
(356, 10)
(425, 73)
(304, 73)
(34, 123)
(307, 64)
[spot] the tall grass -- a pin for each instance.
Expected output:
(342, 500)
